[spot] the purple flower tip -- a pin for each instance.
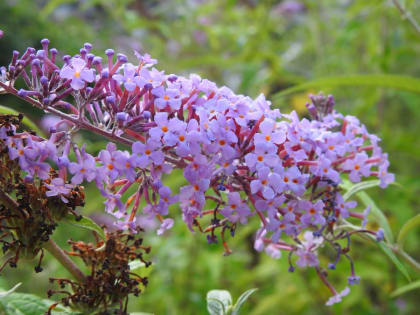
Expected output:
(46, 101)
(122, 116)
(148, 86)
(104, 74)
(22, 93)
(36, 63)
(40, 54)
(172, 78)
(66, 58)
(43, 80)
(331, 266)
(146, 114)
(15, 53)
(1, 33)
(90, 56)
(83, 51)
(291, 269)
(122, 58)
(53, 130)
(88, 46)
(53, 51)
(45, 41)
(211, 239)
(109, 52)
(97, 60)
(353, 280)
(380, 235)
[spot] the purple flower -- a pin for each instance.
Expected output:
(236, 209)
(166, 225)
(306, 251)
(357, 167)
(167, 97)
(58, 187)
(77, 73)
(83, 170)
(264, 183)
(144, 154)
(342, 206)
(128, 79)
(165, 200)
(166, 129)
(314, 212)
(263, 155)
(152, 77)
(270, 133)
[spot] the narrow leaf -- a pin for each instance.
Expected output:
(241, 300)
(360, 186)
(407, 227)
(378, 214)
(85, 223)
(404, 289)
(385, 248)
(398, 82)
(6, 293)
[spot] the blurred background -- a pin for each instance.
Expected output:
(252, 47)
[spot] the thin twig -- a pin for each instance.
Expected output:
(407, 15)
(67, 263)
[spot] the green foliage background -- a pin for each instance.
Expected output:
(252, 47)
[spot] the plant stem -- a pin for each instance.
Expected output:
(407, 15)
(67, 263)
(78, 122)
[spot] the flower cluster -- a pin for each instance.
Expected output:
(241, 157)
(28, 212)
(111, 279)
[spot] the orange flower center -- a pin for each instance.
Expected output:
(77, 74)
(110, 167)
(166, 97)
(260, 158)
(222, 142)
(357, 167)
(312, 211)
(147, 151)
(286, 179)
(181, 138)
(165, 129)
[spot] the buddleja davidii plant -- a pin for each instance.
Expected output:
(241, 158)
(30, 210)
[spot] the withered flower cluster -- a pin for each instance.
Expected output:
(110, 281)
(27, 215)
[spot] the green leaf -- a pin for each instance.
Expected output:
(398, 82)
(360, 186)
(241, 300)
(26, 121)
(141, 313)
(407, 227)
(6, 293)
(404, 289)
(218, 302)
(85, 223)
(24, 304)
(378, 214)
(385, 248)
